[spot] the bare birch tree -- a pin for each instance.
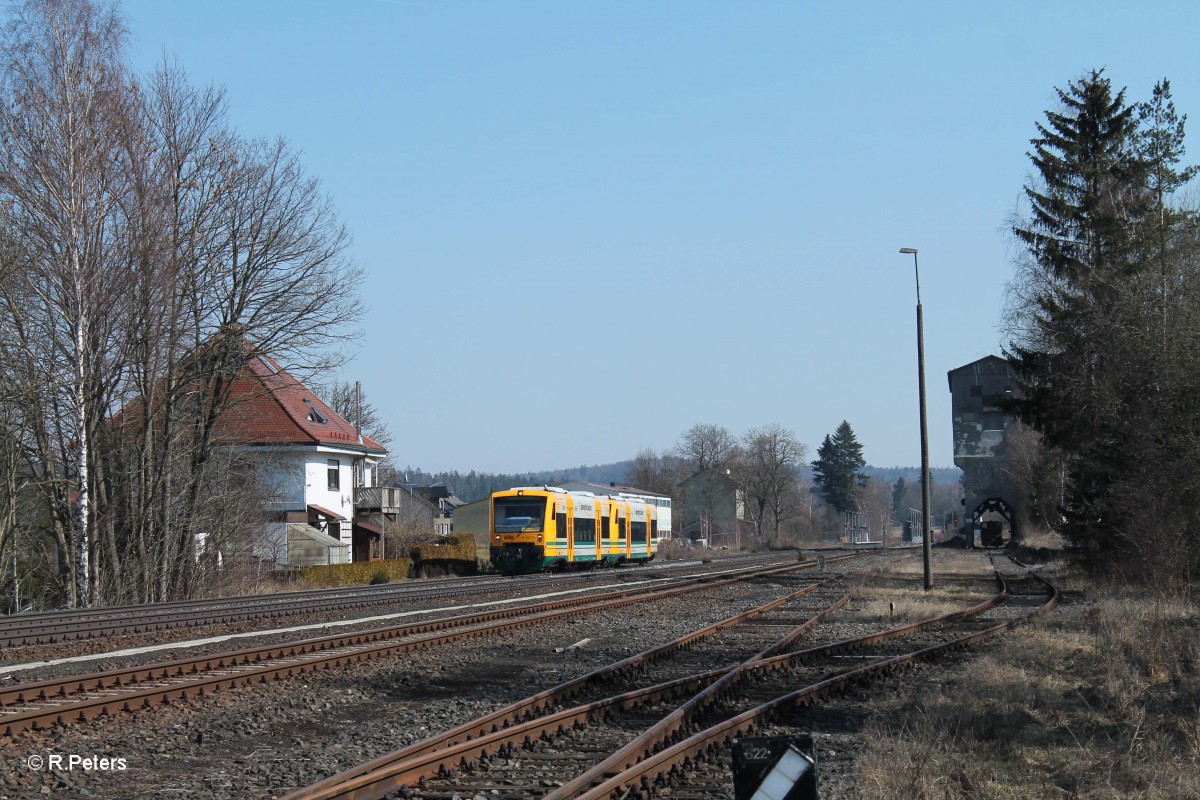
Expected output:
(151, 251)
(63, 112)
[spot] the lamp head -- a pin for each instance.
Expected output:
(912, 250)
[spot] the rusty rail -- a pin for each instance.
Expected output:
(474, 740)
(260, 665)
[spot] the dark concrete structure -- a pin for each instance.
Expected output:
(980, 433)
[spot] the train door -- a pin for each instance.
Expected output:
(604, 546)
(561, 537)
(652, 541)
(623, 527)
(639, 547)
(584, 526)
(570, 529)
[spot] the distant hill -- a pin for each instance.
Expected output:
(913, 474)
(474, 485)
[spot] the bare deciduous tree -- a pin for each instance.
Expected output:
(64, 112)
(150, 251)
(703, 447)
(653, 472)
(340, 396)
(769, 470)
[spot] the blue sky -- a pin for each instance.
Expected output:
(587, 226)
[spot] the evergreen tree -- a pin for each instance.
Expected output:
(899, 489)
(1108, 320)
(1160, 145)
(1082, 241)
(837, 472)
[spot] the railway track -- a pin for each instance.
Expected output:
(53, 627)
(40, 704)
(641, 738)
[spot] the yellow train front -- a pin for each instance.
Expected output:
(538, 528)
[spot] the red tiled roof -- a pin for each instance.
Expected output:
(366, 526)
(269, 406)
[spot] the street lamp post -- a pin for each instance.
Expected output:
(925, 537)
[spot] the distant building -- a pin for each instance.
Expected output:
(475, 518)
(981, 430)
(384, 510)
(419, 510)
(712, 507)
(444, 503)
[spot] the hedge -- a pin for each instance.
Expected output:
(462, 547)
(397, 569)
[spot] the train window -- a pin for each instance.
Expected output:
(518, 514)
(638, 532)
(654, 530)
(585, 530)
(560, 522)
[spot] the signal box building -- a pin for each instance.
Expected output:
(981, 430)
(312, 458)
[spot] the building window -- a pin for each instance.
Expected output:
(313, 414)
(335, 475)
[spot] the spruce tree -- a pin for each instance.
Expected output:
(899, 489)
(837, 472)
(1103, 346)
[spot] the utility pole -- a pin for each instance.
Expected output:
(926, 544)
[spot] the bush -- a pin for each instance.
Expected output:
(669, 549)
(459, 547)
(379, 577)
(396, 569)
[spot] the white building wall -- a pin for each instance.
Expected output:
(318, 493)
(316, 485)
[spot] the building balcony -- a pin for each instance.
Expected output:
(382, 499)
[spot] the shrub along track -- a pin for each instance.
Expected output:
(640, 740)
(41, 704)
(54, 627)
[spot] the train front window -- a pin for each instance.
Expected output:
(519, 514)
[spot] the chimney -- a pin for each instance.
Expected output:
(358, 410)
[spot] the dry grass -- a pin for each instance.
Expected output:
(960, 582)
(1035, 537)
(1099, 700)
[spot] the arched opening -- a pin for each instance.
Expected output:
(989, 532)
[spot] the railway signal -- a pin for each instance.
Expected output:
(774, 768)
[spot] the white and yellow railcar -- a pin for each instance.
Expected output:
(536, 528)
